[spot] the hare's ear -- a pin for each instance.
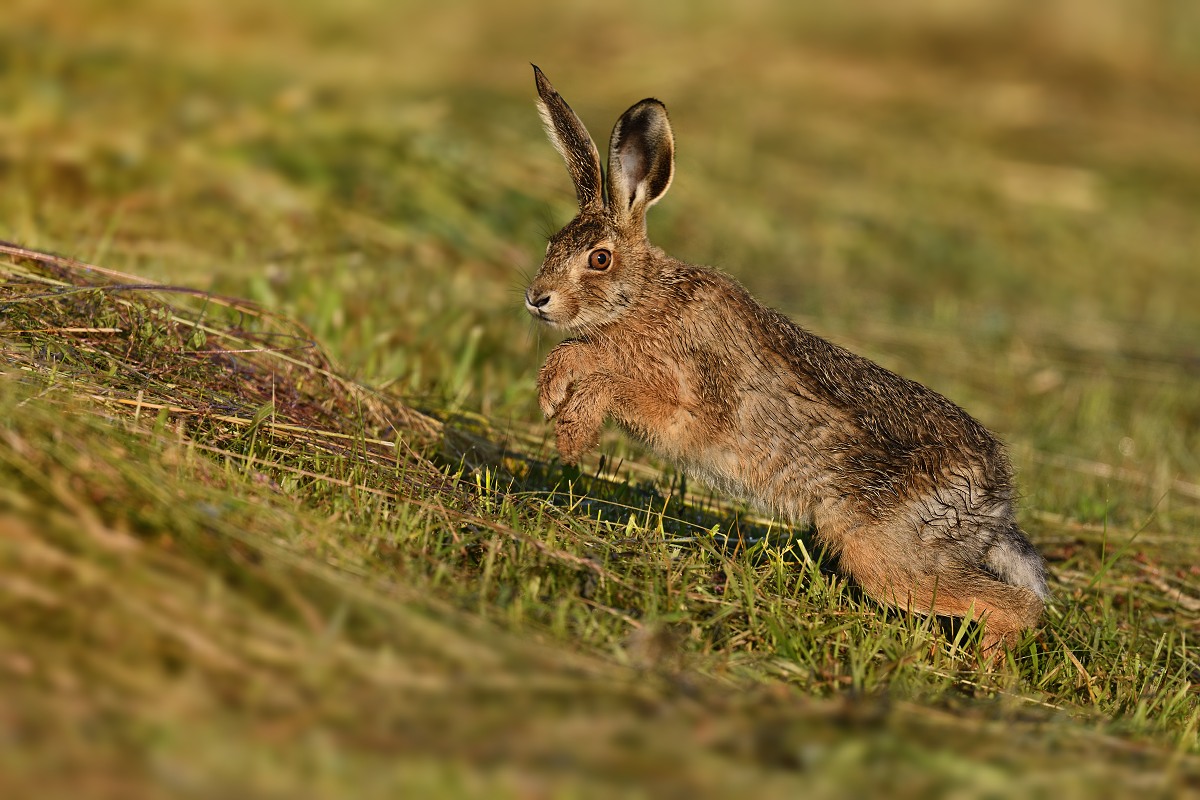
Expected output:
(641, 160)
(571, 139)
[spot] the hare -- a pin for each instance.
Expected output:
(912, 495)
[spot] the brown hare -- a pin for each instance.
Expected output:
(913, 495)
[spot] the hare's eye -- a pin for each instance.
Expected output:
(600, 259)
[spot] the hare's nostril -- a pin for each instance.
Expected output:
(537, 302)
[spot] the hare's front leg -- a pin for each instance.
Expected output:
(566, 364)
(573, 393)
(644, 407)
(579, 388)
(580, 418)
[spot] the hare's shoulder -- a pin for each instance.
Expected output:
(702, 295)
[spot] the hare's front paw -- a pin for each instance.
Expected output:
(580, 417)
(574, 437)
(563, 368)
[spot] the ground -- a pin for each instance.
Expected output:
(278, 513)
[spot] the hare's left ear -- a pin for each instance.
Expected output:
(571, 139)
(641, 160)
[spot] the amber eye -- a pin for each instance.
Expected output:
(600, 259)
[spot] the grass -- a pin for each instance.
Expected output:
(279, 515)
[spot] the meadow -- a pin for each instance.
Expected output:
(279, 516)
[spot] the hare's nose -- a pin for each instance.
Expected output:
(538, 301)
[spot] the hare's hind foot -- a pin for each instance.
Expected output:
(1005, 611)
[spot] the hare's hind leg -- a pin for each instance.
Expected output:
(1004, 610)
(954, 591)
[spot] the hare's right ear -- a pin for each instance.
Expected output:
(571, 139)
(641, 161)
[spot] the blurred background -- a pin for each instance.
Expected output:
(995, 197)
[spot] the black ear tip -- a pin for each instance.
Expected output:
(543, 83)
(652, 102)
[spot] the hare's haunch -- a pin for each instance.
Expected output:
(913, 495)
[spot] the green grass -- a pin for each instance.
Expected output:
(279, 516)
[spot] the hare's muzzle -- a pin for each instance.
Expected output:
(536, 302)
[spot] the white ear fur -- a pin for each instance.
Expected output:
(551, 133)
(570, 138)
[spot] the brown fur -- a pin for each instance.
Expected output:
(911, 493)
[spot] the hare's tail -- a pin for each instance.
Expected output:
(1014, 560)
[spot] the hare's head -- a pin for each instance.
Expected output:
(601, 263)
